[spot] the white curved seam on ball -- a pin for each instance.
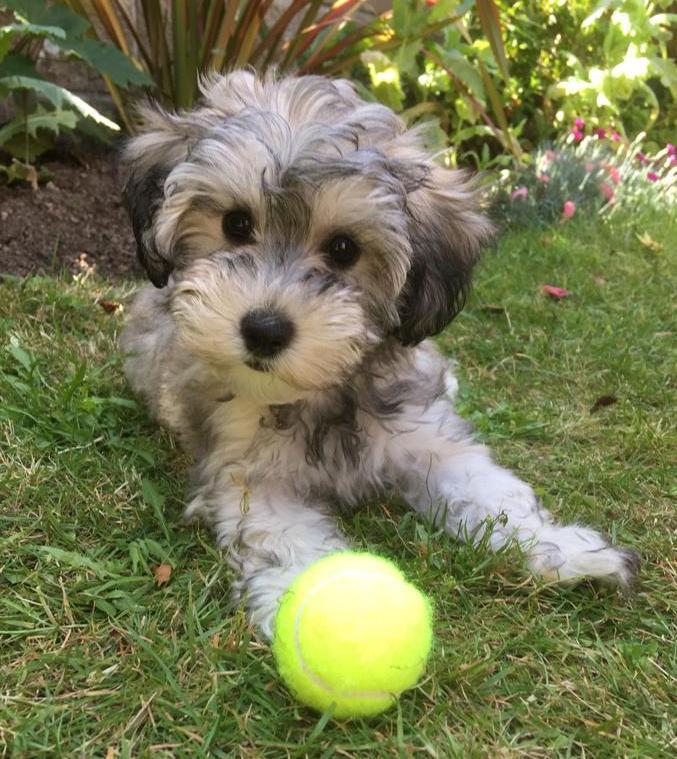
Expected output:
(297, 643)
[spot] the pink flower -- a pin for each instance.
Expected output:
(519, 193)
(672, 150)
(544, 178)
(641, 157)
(578, 135)
(568, 210)
(550, 155)
(673, 161)
(590, 166)
(608, 191)
(652, 176)
(555, 292)
(615, 137)
(613, 173)
(579, 124)
(601, 133)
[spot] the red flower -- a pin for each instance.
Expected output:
(544, 178)
(568, 210)
(555, 292)
(601, 133)
(578, 135)
(579, 124)
(608, 191)
(613, 173)
(652, 176)
(641, 158)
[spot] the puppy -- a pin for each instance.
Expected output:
(303, 246)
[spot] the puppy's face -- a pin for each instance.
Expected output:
(298, 227)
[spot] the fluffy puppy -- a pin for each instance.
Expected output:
(302, 246)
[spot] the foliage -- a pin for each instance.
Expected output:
(595, 174)
(614, 84)
(97, 659)
(30, 133)
(445, 60)
(607, 61)
(492, 100)
(306, 37)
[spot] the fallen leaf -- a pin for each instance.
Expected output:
(110, 306)
(603, 400)
(493, 309)
(648, 242)
(555, 292)
(162, 574)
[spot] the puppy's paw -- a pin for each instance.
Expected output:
(571, 554)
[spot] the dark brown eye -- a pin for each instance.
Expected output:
(342, 250)
(238, 226)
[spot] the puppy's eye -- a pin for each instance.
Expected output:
(342, 251)
(238, 226)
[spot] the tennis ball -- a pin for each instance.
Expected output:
(352, 633)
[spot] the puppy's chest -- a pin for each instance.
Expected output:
(291, 441)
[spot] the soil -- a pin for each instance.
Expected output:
(74, 221)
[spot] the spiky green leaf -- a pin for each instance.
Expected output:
(57, 15)
(107, 60)
(41, 119)
(58, 96)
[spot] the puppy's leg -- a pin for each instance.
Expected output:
(270, 536)
(443, 472)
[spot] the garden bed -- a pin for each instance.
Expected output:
(73, 222)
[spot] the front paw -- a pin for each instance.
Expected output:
(571, 554)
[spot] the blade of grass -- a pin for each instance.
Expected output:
(487, 11)
(155, 22)
(220, 52)
(308, 19)
(338, 14)
(271, 41)
(181, 70)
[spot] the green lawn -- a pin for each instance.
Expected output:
(96, 660)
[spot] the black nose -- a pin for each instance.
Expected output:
(266, 333)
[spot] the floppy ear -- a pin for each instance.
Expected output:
(163, 142)
(446, 231)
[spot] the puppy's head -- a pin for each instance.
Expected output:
(298, 227)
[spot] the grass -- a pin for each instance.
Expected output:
(97, 660)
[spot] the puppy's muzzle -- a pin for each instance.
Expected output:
(266, 333)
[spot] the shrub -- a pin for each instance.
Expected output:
(598, 173)
(44, 108)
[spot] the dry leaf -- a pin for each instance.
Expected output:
(110, 306)
(555, 292)
(603, 400)
(492, 308)
(648, 242)
(162, 574)
(111, 752)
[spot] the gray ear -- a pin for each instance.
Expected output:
(447, 232)
(163, 142)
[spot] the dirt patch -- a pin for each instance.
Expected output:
(75, 220)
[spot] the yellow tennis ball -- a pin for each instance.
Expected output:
(352, 633)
